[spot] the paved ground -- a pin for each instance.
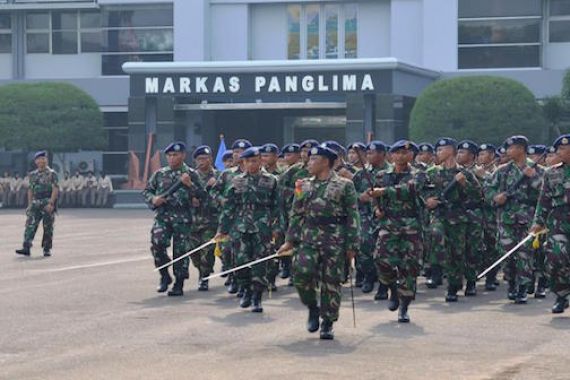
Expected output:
(90, 312)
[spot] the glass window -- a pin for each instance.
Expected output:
(90, 20)
(499, 56)
(116, 119)
(294, 32)
(350, 31)
(559, 8)
(312, 17)
(139, 40)
(499, 31)
(5, 21)
(112, 63)
(138, 17)
(499, 8)
(64, 42)
(91, 42)
(560, 31)
(118, 139)
(37, 21)
(37, 42)
(114, 163)
(64, 20)
(5, 43)
(331, 19)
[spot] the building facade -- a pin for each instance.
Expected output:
(273, 70)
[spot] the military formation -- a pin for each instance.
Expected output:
(387, 213)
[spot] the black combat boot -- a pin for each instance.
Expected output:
(240, 291)
(530, 289)
(177, 288)
(382, 293)
(47, 252)
(512, 291)
(245, 301)
(359, 279)
(394, 301)
(541, 288)
(25, 251)
(368, 283)
(290, 283)
(436, 277)
(203, 285)
(471, 289)
(451, 294)
(560, 305)
(522, 295)
(286, 269)
(257, 308)
(232, 287)
(228, 280)
(327, 332)
(313, 322)
(271, 286)
(165, 280)
(403, 316)
(490, 281)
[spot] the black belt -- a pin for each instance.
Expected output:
(326, 220)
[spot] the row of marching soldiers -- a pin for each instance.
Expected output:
(451, 208)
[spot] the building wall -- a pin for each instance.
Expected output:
(5, 66)
(439, 34)
(268, 31)
(51, 66)
(374, 29)
(229, 32)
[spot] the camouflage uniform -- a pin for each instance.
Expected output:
(514, 218)
(553, 212)
(204, 226)
(251, 209)
(474, 234)
(42, 183)
(324, 225)
(490, 230)
(273, 265)
(173, 219)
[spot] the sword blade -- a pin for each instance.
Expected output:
(246, 265)
(504, 257)
(186, 255)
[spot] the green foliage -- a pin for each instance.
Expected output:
(566, 86)
(55, 116)
(482, 108)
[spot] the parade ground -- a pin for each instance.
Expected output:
(91, 312)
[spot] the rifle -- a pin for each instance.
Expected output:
(511, 191)
(368, 177)
(168, 192)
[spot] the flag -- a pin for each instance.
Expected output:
(221, 150)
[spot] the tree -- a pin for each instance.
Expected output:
(58, 117)
(482, 108)
(566, 86)
(553, 109)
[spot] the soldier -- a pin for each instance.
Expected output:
(252, 200)
(357, 155)
(227, 159)
(536, 153)
(205, 222)
(291, 154)
(324, 230)
(425, 154)
(376, 154)
(514, 190)
(219, 191)
(173, 215)
(340, 166)
(552, 158)
(104, 189)
(399, 243)
(288, 182)
(448, 188)
(42, 198)
(501, 156)
(552, 212)
(466, 154)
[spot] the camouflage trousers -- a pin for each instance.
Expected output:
(519, 267)
(365, 256)
(162, 233)
(273, 265)
(227, 248)
(320, 266)
(490, 231)
(249, 247)
(540, 257)
(203, 260)
(35, 214)
(449, 249)
(558, 258)
(398, 255)
(474, 245)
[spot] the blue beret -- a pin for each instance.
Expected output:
(323, 151)
(41, 153)
(562, 140)
(270, 148)
(403, 145)
(357, 146)
(536, 149)
(483, 147)
(250, 152)
(426, 147)
(241, 144)
(308, 144)
(446, 141)
(502, 150)
(291, 148)
(468, 145)
(227, 155)
(377, 145)
(516, 140)
(551, 149)
(202, 150)
(335, 146)
(177, 146)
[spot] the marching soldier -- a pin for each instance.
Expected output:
(42, 197)
(252, 202)
(227, 159)
(205, 222)
(536, 153)
(514, 190)
(552, 158)
(173, 215)
(399, 244)
(552, 212)
(341, 167)
(291, 154)
(324, 230)
(426, 154)
(356, 155)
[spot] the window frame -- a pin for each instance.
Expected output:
(549, 19)
(8, 32)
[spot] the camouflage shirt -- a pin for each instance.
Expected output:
(207, 213)
(326, 213)
(554, 200)
(223, 183)
(42, 183)
(362, 185)
(287, 182)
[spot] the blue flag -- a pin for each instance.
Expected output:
(221, 150)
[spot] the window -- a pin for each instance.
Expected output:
(322, 31)
(559, 25)
(5, 33)
(64, 32)
(499, 34)
(115, 157)
(559, 8)
(38, 32)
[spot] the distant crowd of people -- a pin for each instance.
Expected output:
(86, 191)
